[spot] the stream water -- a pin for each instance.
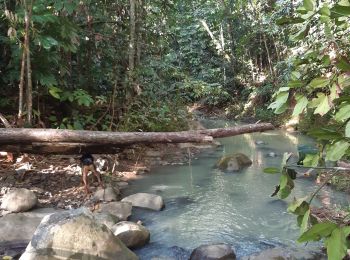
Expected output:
(204, 205)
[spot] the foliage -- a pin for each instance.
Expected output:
(319, 83)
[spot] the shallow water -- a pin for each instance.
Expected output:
(204, 205)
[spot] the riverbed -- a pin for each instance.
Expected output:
(205, 205)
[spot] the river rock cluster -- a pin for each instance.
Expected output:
(48, 233)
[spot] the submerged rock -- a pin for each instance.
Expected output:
(213, 252)
(281, 253)
(145, 200)
(133, 235)
(75, 234)
(233, 162)
(19, 200)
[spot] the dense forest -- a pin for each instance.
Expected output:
(139, 65)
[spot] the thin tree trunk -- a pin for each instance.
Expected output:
(140, 16)
(27, 17)
(268, 56)
(132, 40)
(21, 84)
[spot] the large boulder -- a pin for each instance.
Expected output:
(233, 162)
(75, 234)
(120, 209)
(108, 194)
(131, 234)
(145, 200)
(19, 200)
(281, 253)
(16, 230)
(213, 252)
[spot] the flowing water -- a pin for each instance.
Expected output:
(204, 205)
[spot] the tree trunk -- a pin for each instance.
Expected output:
(40, 140)
(132, 40)
(21, 84)
(27, 17)
(268, 56)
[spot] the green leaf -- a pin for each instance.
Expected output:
(300, 106)
(319, 82)
(324, 133)
(336, 244)
(336, 151)
(343, 64)
(311, 160)
(272, 170)
(318, 231)
(292, 207)
(289, 20)
(323, 106)
(281, 99)
(309, 5)
(55, 92)
(296, 84)
(301, 34)
(343, 113)
(305, 221)
(339, 10)
(325, 11)
(347, 129)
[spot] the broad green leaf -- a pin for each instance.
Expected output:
(347, 130)
(289, 20)
(336, 151)
(324, 133)
(284, 193)
(323, 106)
(300, 106)
(283, 180)
(294, 76)
(344, 80)
(344, 3)
(325, 19)
(311, 160)
(325, 11)
(281, 109)
(339, 10)
(336, 244)
(309, 5)
(296, 84)
(319, 82)
(305, 221)
(296, 203)
(272, 170)
(281, 99)
(343, 113)
(318, 231)
(55, 92)
(343, 64)
(283, 89)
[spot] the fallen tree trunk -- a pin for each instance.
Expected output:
(79, 141)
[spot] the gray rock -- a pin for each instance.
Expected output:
(17, 229)
(106, 218)
(122, 184)
(120, 209)
(213, 252)
(19, 200)
(75, 234)
(286, 254)
(272, 154)
(233, 162)
(108, 194)
(131, 234)
(145, 200)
